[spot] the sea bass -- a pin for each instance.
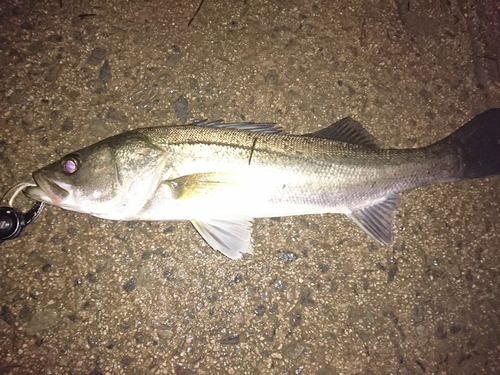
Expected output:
(222, 176)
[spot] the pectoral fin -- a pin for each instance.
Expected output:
(203, 184)
(230, 236)
(376, 219)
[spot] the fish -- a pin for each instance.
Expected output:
(222, 176)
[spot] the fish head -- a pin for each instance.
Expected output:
(108, 179)
(82, 181)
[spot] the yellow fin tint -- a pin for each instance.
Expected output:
(198, 185)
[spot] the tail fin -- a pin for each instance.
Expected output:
(479, 143)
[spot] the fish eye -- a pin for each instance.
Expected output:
(71, 163)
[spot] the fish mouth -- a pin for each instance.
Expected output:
(46, 190)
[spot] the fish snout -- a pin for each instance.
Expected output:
(46, 190)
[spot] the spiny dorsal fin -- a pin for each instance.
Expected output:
(264, 127)
(346, 130)
(376, 219)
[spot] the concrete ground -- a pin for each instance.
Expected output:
(81, 295)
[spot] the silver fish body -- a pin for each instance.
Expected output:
(221, 176)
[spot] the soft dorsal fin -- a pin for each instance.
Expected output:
(376, 219)
(264, 127)
(346, 130)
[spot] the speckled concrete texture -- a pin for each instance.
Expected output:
(81, 295)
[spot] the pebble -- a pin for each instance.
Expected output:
(296, 318)
(7, 315)
(91, 341)
(114, 114)
(25, 312)
(265, 296)
(324, 267)
(305, 297)
(287, 256)
(91, 277)
(127, 360)
(105, 72)
(280, 285)
(273, 307)
(16, 97)
(238, 278)
(169, 274)
(96, 56)
(36, 47)
(193, 83)
(233, 339)
(259, 310)
(139, 338)
(293, 350)
(67, 125)
(47, 267)
(53, 72)
(42, 320)
(130, 285)
(272, 77)
(393, 269)
(181, 108)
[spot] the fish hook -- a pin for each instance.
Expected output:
(12, 220)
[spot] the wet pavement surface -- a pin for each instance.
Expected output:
(81, 295)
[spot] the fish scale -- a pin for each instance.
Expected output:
(327, 173)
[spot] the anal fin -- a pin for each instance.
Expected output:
(376, 219)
